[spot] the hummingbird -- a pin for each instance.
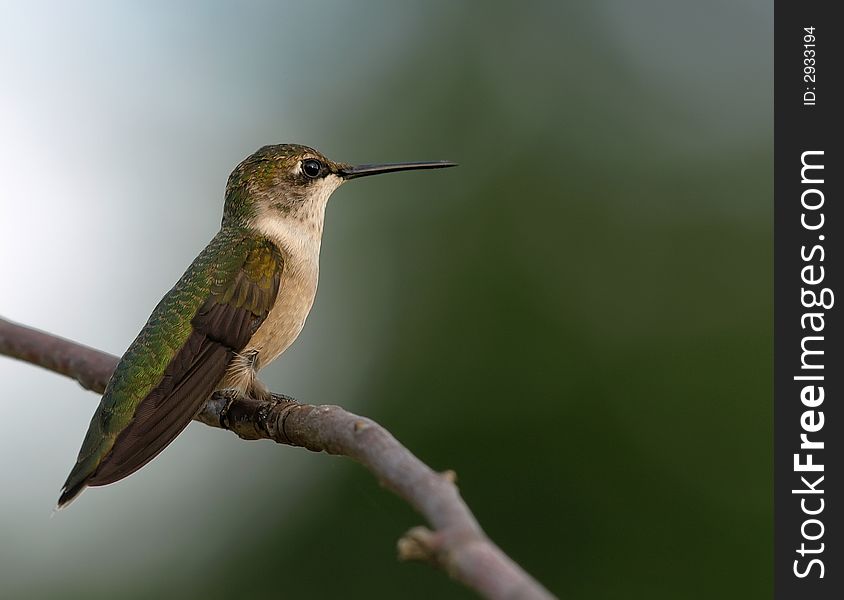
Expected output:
(240, 304)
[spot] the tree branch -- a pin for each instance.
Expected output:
(456, 543)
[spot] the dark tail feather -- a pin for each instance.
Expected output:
(77, 481)
(70, 492)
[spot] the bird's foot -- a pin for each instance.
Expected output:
(259, 391)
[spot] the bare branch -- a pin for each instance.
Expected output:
(456, 543)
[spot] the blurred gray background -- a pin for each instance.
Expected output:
(577, 319)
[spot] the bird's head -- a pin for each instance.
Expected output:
(294, 182)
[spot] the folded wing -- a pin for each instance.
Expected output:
(154, 393)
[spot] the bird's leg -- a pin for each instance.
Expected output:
(242, 377)
(259, 390)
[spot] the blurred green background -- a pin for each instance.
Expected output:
(577, 320)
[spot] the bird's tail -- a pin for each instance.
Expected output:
(69, 494)
(77, 481)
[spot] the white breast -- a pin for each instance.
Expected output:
(298, 234)
(300, 246)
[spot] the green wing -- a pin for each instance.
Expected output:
(179, 358)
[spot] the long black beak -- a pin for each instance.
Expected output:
(365, 170)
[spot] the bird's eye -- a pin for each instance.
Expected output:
(311, 167)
